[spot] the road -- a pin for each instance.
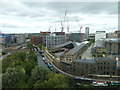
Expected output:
(87, 54)
(40, 60)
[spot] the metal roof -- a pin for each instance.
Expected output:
(67, 43)
(105, 58)
(94, 61)
(77, 48)
(84, 61)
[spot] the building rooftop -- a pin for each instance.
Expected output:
(77, 48)
(113, 40)
(105, 58)
(67, 43)
(84, 61)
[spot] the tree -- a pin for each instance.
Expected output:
(56, 81)
(21, 72)
(30, 45)
(10, 78)
(21, 84)
(40, 46)
(38, 74)
(28, 66)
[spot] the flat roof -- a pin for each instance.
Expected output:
(113, 40)
(84, 60)
(105, 58)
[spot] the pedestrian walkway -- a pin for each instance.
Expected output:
(87, 54)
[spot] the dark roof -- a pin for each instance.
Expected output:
(84, 61)
(64, 44)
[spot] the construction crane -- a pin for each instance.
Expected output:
(50, 28)
(62, 23)
(67, 30)
(80, 29)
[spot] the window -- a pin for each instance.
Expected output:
(98, 67)
(113, 73)
(104, 67)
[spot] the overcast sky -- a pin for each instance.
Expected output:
(33, 17)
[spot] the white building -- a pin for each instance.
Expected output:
(53, 40)
(100, 35)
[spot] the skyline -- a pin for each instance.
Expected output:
(33, 17)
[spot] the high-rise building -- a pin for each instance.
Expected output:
(100, 35)
(87, 33)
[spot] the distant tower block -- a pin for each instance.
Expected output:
(87, 33)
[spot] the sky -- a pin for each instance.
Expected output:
(33, 17)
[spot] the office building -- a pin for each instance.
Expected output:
(100, 35)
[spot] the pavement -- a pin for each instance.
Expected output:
(87, 54)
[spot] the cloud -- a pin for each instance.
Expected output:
(40, 15)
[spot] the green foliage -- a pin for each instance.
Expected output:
(56, 81)
(43, 78)
(39, 73)
(17, 68)
(40, 46)
(21, 84)
(20, 70)
(30, 45)
(10, 78)
(28, 67)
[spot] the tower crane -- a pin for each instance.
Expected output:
(62, 23)
(80, 29)
(50, 28)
